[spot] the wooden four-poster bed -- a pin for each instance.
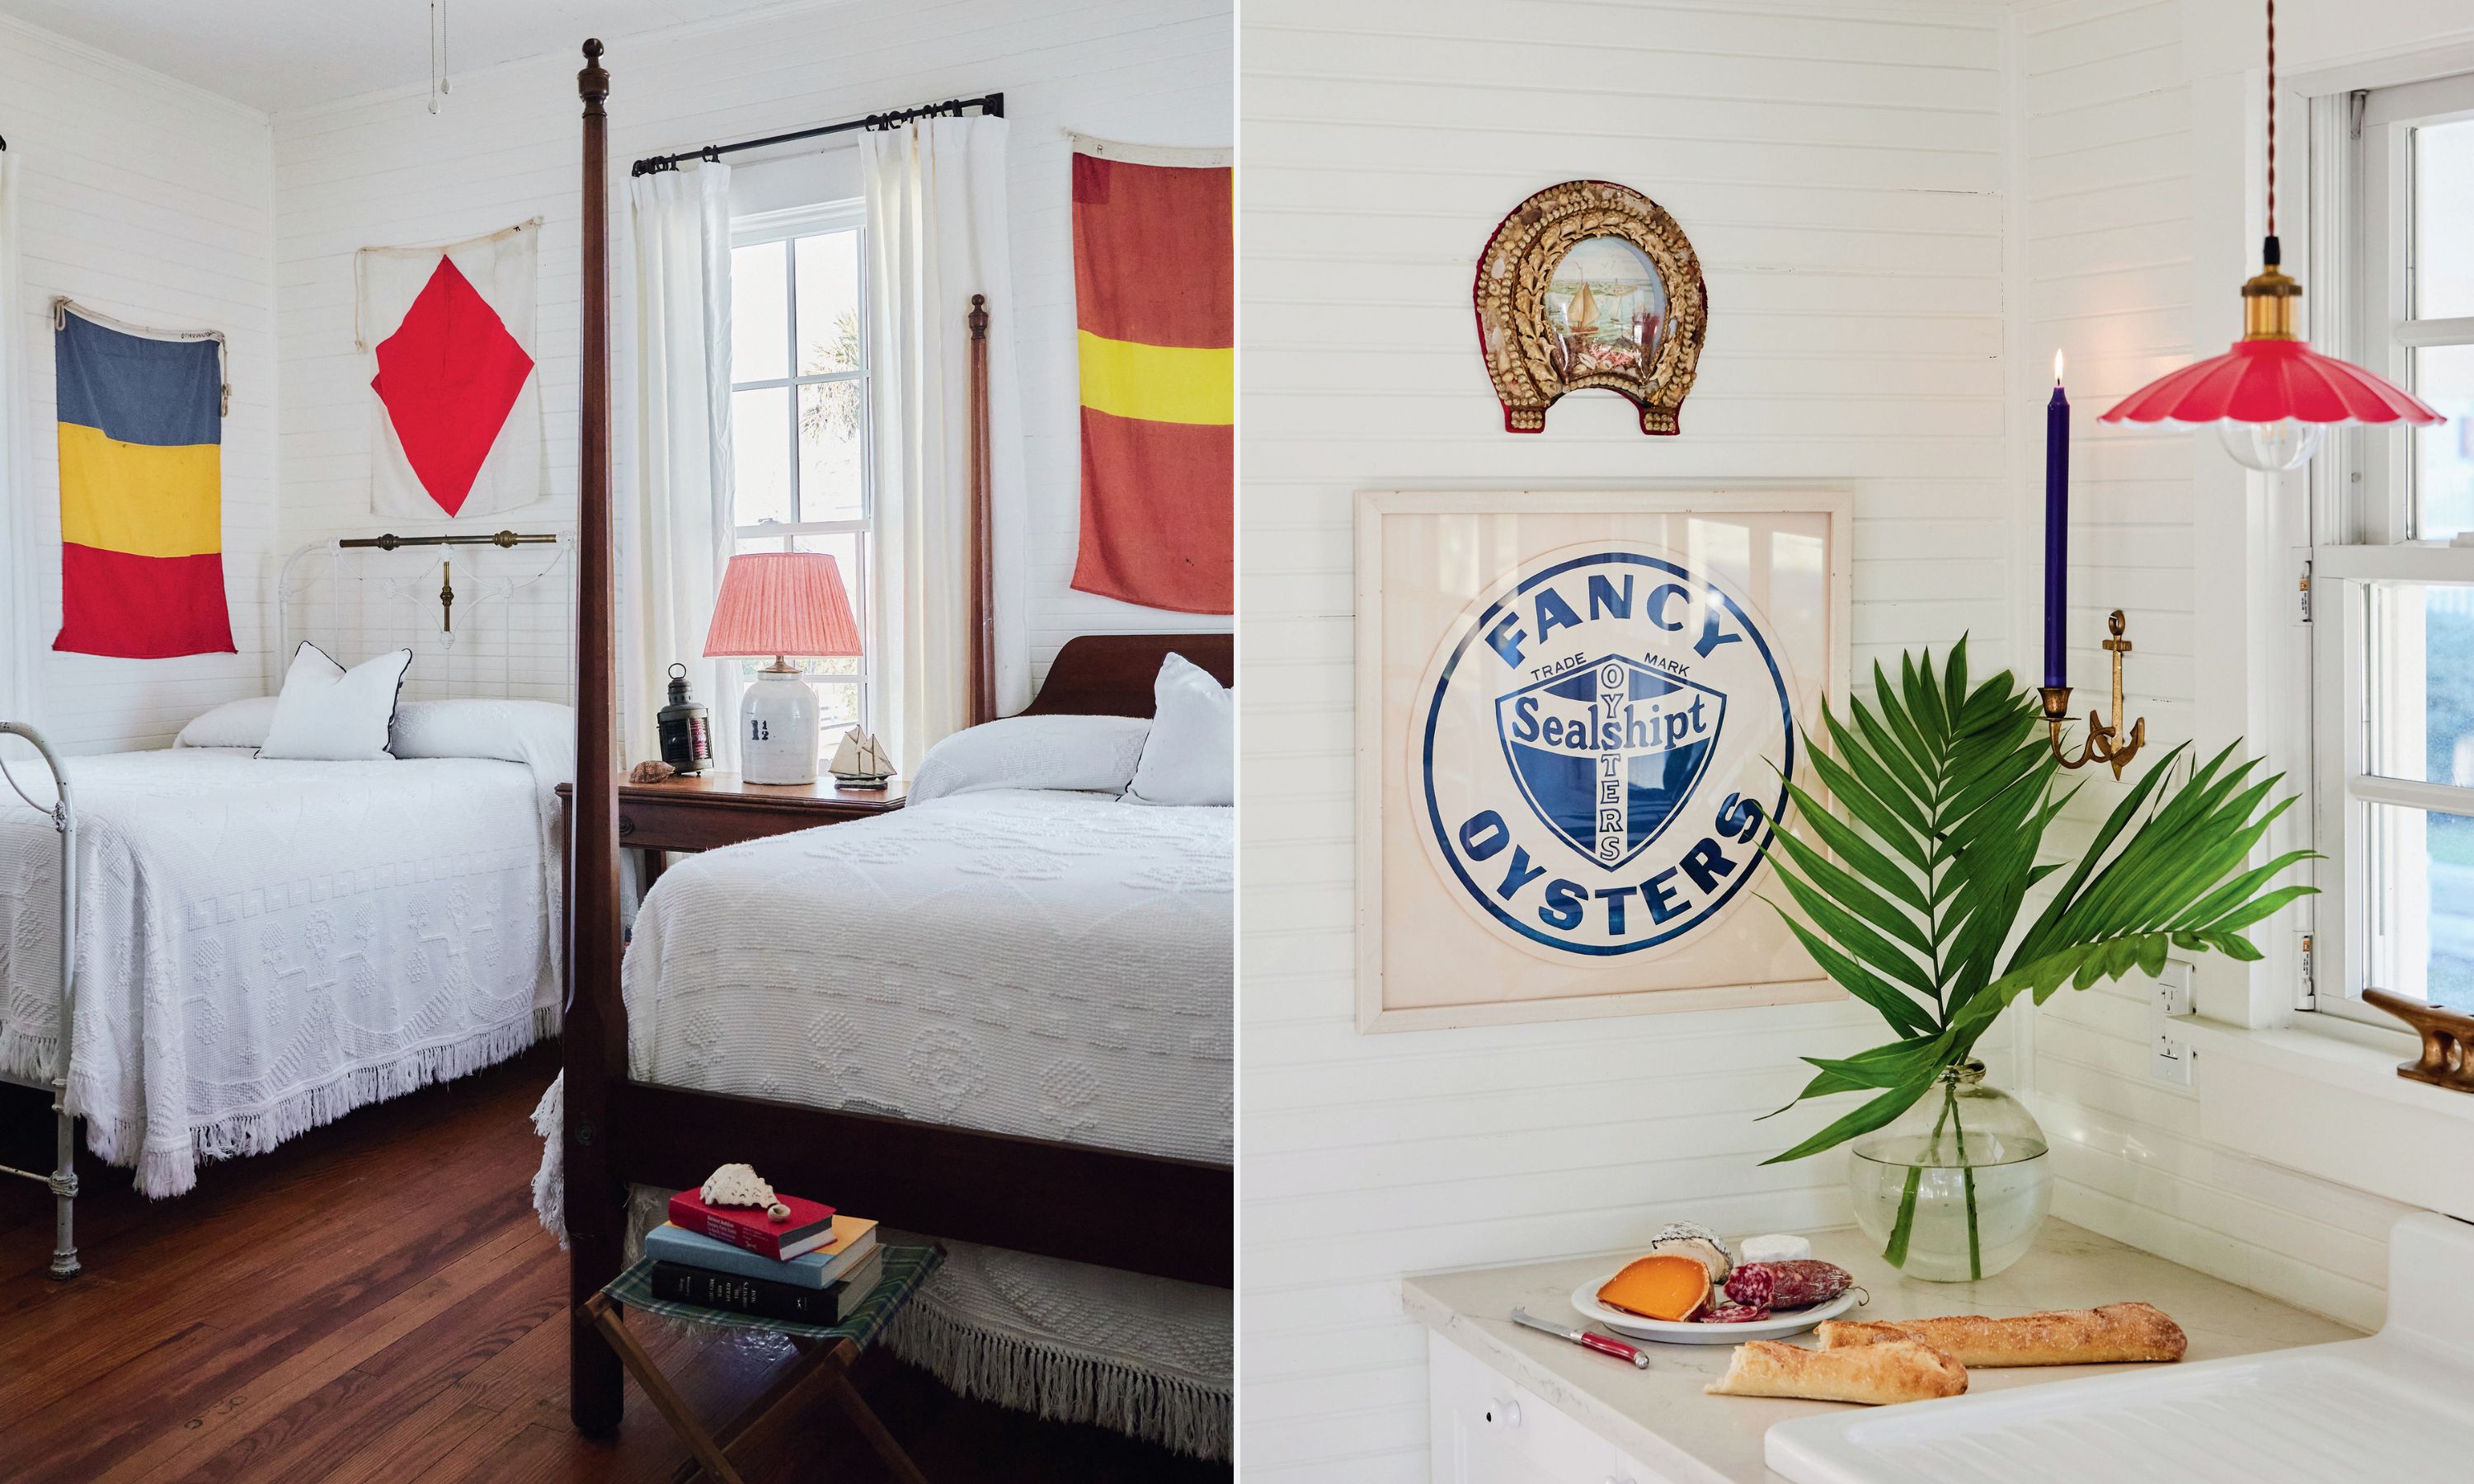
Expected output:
(1165, 1216)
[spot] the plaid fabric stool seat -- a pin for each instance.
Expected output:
(826, 1353)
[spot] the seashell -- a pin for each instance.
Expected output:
(778, 1211)
(651, 771)
(738, 1184)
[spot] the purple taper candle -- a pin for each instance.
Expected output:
(2057, 527)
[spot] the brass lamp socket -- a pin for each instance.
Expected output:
(2268, 304)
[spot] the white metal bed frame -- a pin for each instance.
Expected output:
(62, 1179)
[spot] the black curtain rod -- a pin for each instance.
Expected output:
(991, 104)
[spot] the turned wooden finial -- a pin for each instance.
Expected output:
(593, 84)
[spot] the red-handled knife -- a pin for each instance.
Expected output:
(1596, 1342)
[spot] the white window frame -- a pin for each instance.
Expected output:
(2362, 510)
(786, 227)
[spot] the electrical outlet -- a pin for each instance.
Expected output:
(2168, 999)
(2172, 991)
(2169, 1061)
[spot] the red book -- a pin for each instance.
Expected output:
(808, 1226)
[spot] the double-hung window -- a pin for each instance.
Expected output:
(2393, 569)
(799, 415)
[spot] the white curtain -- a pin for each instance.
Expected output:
(937, 235)
(16, 522)
(674, 513)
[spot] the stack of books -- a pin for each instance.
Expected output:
(814, 1268)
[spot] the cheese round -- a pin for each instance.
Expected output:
(1776, 1248)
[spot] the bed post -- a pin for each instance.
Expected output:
(984, 605)
(595, 1038)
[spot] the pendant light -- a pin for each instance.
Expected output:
(2271, 396)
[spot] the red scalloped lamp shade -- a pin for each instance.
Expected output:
(2272, 381)
(2271, 396)
(783, 602)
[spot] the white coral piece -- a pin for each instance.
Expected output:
(737, 1185)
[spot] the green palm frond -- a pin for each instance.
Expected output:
(1910, 880)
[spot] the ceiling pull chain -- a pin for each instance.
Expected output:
(438, 84)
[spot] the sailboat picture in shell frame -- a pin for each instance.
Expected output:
(1590, 284)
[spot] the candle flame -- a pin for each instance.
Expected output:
(2057, 368)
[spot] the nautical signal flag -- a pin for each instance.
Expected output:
(449, 335)
(141, 491)
(1156, 288)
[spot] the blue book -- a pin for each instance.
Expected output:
(853, 1240)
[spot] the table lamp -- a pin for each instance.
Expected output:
(781, 603)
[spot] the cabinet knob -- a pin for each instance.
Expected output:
(626, 826)
(1500, 1413)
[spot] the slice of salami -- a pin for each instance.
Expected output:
(1797, 1284)
(1733, 1315)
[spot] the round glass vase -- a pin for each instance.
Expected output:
(1956, 1187)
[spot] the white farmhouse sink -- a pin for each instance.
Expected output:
(2395, 1407)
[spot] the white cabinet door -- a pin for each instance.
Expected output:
(1486, 1430)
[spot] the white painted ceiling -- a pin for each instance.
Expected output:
(281, 55)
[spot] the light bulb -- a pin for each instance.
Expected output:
(2271, 447)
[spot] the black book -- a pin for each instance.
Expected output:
(760, 1297)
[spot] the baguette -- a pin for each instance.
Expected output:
(2064, 1337)
(1875, 1375)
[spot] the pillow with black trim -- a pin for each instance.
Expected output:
(328, 713)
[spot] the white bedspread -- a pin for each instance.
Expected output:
(1039, 962)
(265, 945)
(1027, 962)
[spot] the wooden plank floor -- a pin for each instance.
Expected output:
(375, 1301)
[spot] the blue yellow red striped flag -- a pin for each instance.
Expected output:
(141, 491)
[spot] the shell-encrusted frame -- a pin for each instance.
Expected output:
(1514, 328)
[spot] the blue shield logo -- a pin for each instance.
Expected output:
(1608, 753)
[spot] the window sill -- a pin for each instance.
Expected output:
(2329, 1102)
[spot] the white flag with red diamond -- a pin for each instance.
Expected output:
(447, 336)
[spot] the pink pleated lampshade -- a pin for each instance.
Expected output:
(783, 602)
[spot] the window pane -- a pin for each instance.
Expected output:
(2422, 681)
(2421, 899)
(829, 303)
(2443, 473)
(2443, 220)
(759, 314)
(760, 447)
(838, 702)
(829, 447)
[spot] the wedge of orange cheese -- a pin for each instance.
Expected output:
(1668, 1285)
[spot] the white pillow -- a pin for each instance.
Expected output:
(526, 731)
(232, 724)
(1191, 756)
(328, 713)
(1089, 754)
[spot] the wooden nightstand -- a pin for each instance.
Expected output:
(706, 811)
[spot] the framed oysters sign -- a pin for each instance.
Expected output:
(1574, 715)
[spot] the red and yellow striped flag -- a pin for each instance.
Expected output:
(1155, 290)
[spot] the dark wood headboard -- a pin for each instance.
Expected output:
(1111, 674)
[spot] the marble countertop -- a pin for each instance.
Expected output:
(1661, 1417)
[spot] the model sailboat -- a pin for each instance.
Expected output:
(860, 761)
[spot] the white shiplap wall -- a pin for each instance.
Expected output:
(152, 201)
(382, 170)
(2121, 270)
(1840, 169)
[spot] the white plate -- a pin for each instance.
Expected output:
(1781, 1324)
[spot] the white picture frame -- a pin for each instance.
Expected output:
(1432, 952)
